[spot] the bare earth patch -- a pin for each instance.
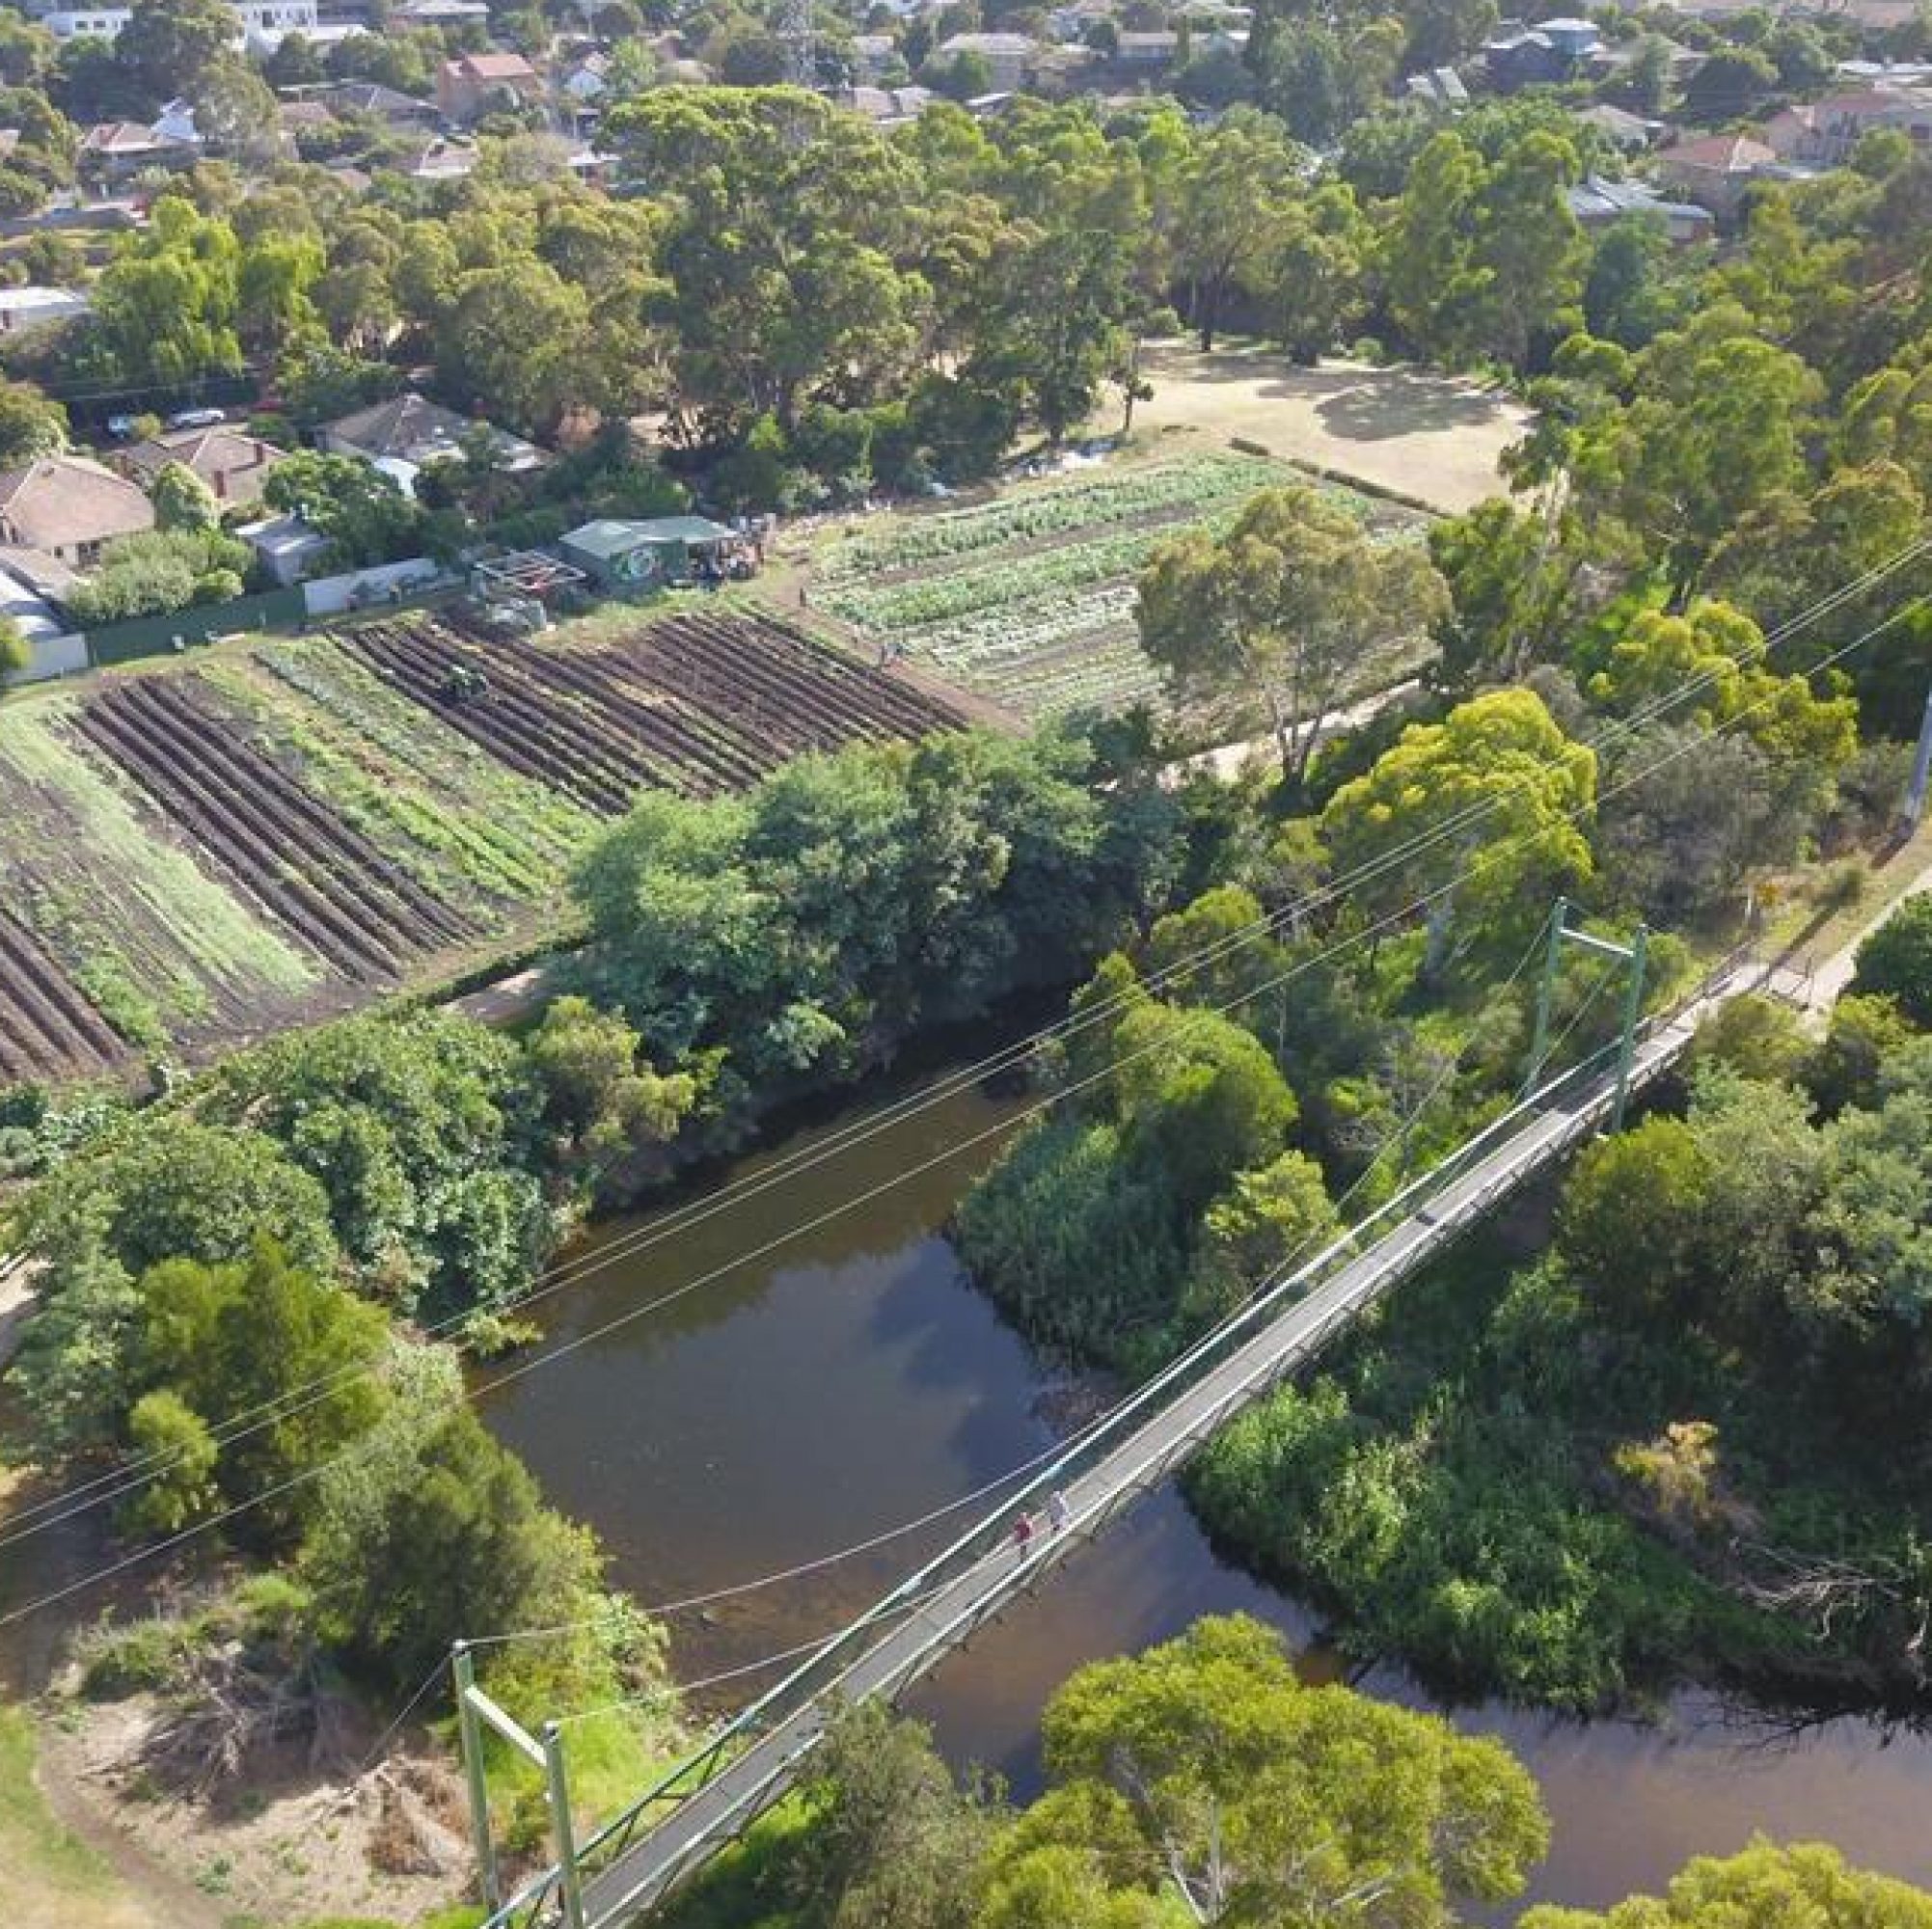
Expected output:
(283, 1846)
(1435, 438)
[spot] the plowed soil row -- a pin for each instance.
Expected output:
(285, 850)
(700, 702)
(47, 1030)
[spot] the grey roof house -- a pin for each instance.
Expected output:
(405, 434)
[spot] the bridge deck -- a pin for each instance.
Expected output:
(916, 1641)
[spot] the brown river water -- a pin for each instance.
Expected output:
(854, 1380)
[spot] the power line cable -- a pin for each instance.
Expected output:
(129, 1477)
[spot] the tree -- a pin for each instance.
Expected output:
(1290, 605)
(235, 112)
(1718, 429)
(595, 1090)
(1797, 1885)
(1199, 1097)
(1895, 962)
(182, 501)
(16, 653)
(259, 1337)
(1270, 1219)
(159, 571)
(1866, 1033)
(1499, 798)
(1233, 188)
(1729, 84)
(1484, 255)
(1314, 277)
(518, 339)
(165, 307)
(168, 46)
(169, 1186)
(30, 425)
(431, 1530)
(1632, 1221)
(419, 1132)
(1510, 575)
(891, 1843)
(167, 1435)
(366, 516)
(1206, 1764)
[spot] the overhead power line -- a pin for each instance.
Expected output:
(1414, 907)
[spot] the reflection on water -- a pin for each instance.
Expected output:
(854, 1380)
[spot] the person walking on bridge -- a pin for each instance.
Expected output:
(1057, 1512)
(1023, 1532)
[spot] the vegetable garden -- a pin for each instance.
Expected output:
(197, 854)
(1028, 599)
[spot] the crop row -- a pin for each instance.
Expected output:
(461, 822)
(1003, 581)
(114, 895)
(342, 895)
(700, 702)
(1095, 501)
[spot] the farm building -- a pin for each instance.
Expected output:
(621, 554)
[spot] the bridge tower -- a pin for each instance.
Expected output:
(1633, 956)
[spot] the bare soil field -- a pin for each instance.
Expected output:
(272, 833)
(1437, 438)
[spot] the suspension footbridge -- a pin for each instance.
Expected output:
(634, 1860)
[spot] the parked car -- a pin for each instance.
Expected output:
(197, 417)
(121, 428)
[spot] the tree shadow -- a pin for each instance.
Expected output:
(1392, 406)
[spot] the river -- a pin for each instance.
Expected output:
(854, 1380)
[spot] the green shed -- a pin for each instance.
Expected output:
(624, 555)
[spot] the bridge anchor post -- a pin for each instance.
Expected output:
(464, 1671)
(1633, 1006)
(562, 1828)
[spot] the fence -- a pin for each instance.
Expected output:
(369, 589)
(160, 635)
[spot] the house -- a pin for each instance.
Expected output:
(584, 78)
(32, 307)
(888, 106)
(621, 554)
(68, 507)
(874, 56)
(1628, 133)
(1007, 56)
(1149, 52)
(1440, 89)
(371, 101)
(257, 21)
(232, 462)
(116, 151)
(405, 435)
(473, 85)
(1541, 56)
(1824, 133)
(1717, 171)
(439, 160)
(441, 13)
(305, 121)
(1597, 203)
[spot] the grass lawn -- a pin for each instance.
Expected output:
(51, 1876)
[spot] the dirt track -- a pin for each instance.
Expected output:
(1435, 438)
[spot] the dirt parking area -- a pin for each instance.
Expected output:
(1435, 438)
